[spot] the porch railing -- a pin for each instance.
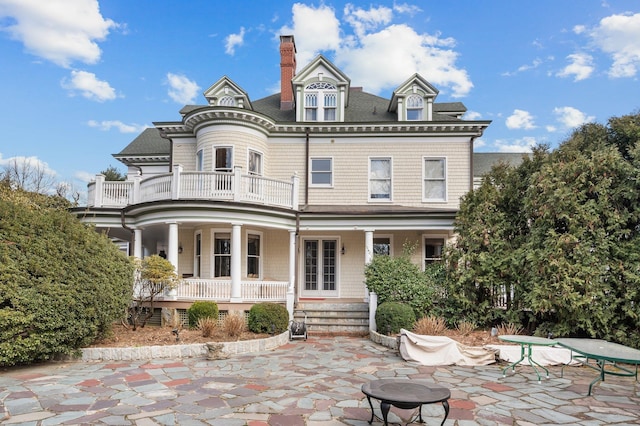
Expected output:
(220, 291)
(194, 186)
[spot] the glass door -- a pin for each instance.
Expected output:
(320, 268)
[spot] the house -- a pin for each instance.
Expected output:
(287, 198)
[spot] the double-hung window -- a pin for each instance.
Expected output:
(433, 250)
(321, 172)
(224, 159)
(382, 246)
(434, 179)
(222, 254)
(415, 107)
(253, 255)
(380, 179)
(311, 107)
(330, 105)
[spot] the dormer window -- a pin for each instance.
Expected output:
(227, 101)
(415, 107)
(320, 102)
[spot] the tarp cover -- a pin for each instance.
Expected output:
(543, 355)
(442, 350)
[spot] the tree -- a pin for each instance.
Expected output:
(113, 174)
(62, 284)
(28, 174)
(561, 234)
(154, 275)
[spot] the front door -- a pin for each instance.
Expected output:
(320, 268)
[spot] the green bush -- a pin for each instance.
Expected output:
(268, 318)
(392, 316)
(397, 279)
(62, 284)
(202, 309)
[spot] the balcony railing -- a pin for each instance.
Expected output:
(194, 186)
(220, 291)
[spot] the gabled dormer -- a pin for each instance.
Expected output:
(321, 92)
(227, 93)
(413, 100)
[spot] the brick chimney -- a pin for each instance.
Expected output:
(287, 71)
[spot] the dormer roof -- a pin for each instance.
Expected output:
(322, 69)
(225, 88)
(416, 83)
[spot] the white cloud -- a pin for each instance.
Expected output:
(181, 89)
(520, 120)
(406, 8)
(571, 117)
(61, 31)
(107, 125)
(472, 115)
(315, 29)
(525, 144)
(579, 29)
(234, 40)
(380, 55)
(581, 67)
(28, 163)
(619, 36)
(89, 86)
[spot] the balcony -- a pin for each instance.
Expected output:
(180, 185)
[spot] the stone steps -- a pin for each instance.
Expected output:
(350, 319)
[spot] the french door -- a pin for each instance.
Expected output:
(320, 268)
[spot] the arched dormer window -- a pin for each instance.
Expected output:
(320, 102)
(415, 107)
(227, 101)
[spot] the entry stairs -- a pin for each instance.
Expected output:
(333, 318)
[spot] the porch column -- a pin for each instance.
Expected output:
(236, 269)
(372, 298)
(172, 255)
(292, 272)
(137, 243)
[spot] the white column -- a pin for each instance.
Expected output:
(292, 272)
(137, 243)
(172, 255)
(175, 182)
(99, 191)
(371, 298)
(236, 269)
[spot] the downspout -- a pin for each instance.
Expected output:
(125, 227)
(473, 138)
(306, 175)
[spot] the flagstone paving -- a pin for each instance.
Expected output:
(314, 382)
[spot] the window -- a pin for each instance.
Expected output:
(197, 261)
(227, 101)
(222, 254)
(380, 179)
(253, 256)
(255, 163)
(199, 161)
(311, 107)
(415, 106)
(224, 159)
(320, 266)
(321, 172)
(433, 250)
(381, 246)
(324, 110)
(435, 182)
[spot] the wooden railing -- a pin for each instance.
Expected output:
(194, 186)
(220, 291)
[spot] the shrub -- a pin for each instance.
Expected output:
(509, 328)
(397, 279)
(392, 316)
(268, 318)
(62, 283)
(234, 325)
(202, 309)
(430, 326)
(207, 326)
(466, 327)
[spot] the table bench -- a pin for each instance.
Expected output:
(405, 394)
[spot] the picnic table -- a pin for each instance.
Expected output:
(607, 357)
(526, 343)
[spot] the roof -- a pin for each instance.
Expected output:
(149, 142)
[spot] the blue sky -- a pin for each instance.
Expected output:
(79, 79)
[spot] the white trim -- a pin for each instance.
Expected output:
(331, 172)
(261, 153)
(195, 253)
(301, 271)
(214, 148)
(443, 237)
(446, 174)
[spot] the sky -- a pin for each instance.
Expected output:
(80, 79)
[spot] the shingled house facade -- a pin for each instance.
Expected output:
(287, 198)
